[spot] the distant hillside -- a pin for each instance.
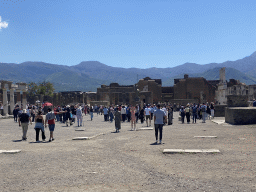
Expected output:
(213, 74)
(89, 75)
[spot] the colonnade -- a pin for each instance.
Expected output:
(19, 89)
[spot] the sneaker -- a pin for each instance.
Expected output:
(50, 140)
(38, 141)
(160, 142)
(156, 141)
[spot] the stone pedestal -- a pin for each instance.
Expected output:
(12, 100)
(5, 102)
(240, 115)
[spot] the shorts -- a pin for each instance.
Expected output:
(147, 116)
(51, 127)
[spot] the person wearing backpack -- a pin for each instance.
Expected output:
(182, 114)
(194, 111)
(187, 110)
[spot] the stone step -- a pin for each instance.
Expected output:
(205, 136)
(10, 151)
(191, 151)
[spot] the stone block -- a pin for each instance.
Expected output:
(81, 138)
(240, 115)
(146, 128)
(191, 151)
(10, 151)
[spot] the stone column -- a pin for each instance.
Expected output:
(12, 100)
(24, 98)
(18, 97)
(5, 102)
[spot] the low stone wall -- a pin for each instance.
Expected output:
(219, 110)
(240, 115)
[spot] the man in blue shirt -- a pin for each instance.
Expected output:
(105, 110)
(159, 115)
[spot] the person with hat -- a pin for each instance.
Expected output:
(24, 120)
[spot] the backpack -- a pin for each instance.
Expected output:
(194, 109)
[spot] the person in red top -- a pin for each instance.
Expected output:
(50, 118)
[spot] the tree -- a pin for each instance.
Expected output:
(44, 88)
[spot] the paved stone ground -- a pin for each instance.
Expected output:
(129, 161)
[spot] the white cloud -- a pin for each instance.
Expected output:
(3, 24)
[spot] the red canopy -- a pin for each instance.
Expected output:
(47, 104)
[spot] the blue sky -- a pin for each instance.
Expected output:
(127, 33)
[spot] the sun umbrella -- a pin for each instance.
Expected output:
(47, 104)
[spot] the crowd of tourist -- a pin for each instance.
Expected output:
(197, 111)
(159, 114)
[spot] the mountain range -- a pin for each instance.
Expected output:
(89, 75)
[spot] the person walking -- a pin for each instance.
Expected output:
(68, 115)
(111, 114)
(105, 111)
(208, 111)
(123, 113)
(50, 119)
(203, 109)
(187, 110)
(159, 115)
(147, 113)
(212, 109)
(182, 114)
(15, 113)
(165, 112)
(24, 120)
(91, 112)
(39, 120)
(194, 113)
(141, 115)
(170, 115)
(128, 113)
(133, 118)
(118, 119)
(79, 116)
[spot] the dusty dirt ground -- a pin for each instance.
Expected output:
(129, 160)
